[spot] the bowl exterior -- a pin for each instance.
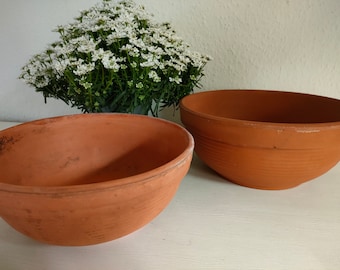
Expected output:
(92, 213)
(96, 216)
(265, 168)
(263, 155)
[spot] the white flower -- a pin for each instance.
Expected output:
(99, 54)
(117, 35)
(111, 62)
(139, 85)
(83, 43)
(154, 76)
(150, 62)
(139, 43)
(131, 50)
(85, 84)
(82, 68)
(110, 51)
(177, 80)
(60, 65)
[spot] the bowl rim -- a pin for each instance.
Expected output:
(65, 190)
(302, 127)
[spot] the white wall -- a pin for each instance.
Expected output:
(264, 44)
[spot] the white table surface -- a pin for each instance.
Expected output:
(210, 224)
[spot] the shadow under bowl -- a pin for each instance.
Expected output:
(89, 178)
(264, 139)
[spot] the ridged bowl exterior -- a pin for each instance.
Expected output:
(263, 154)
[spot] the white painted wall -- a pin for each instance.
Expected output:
(264, 44)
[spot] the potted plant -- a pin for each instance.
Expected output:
(115, 58)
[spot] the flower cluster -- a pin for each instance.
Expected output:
(113, 57)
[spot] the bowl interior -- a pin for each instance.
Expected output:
(85, 149)
(264, 106)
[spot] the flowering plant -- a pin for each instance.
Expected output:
(114, 58)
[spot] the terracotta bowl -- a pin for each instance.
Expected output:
(90, 178)
(264, 139)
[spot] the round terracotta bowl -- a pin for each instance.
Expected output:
(90, 178)
(264, 139)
